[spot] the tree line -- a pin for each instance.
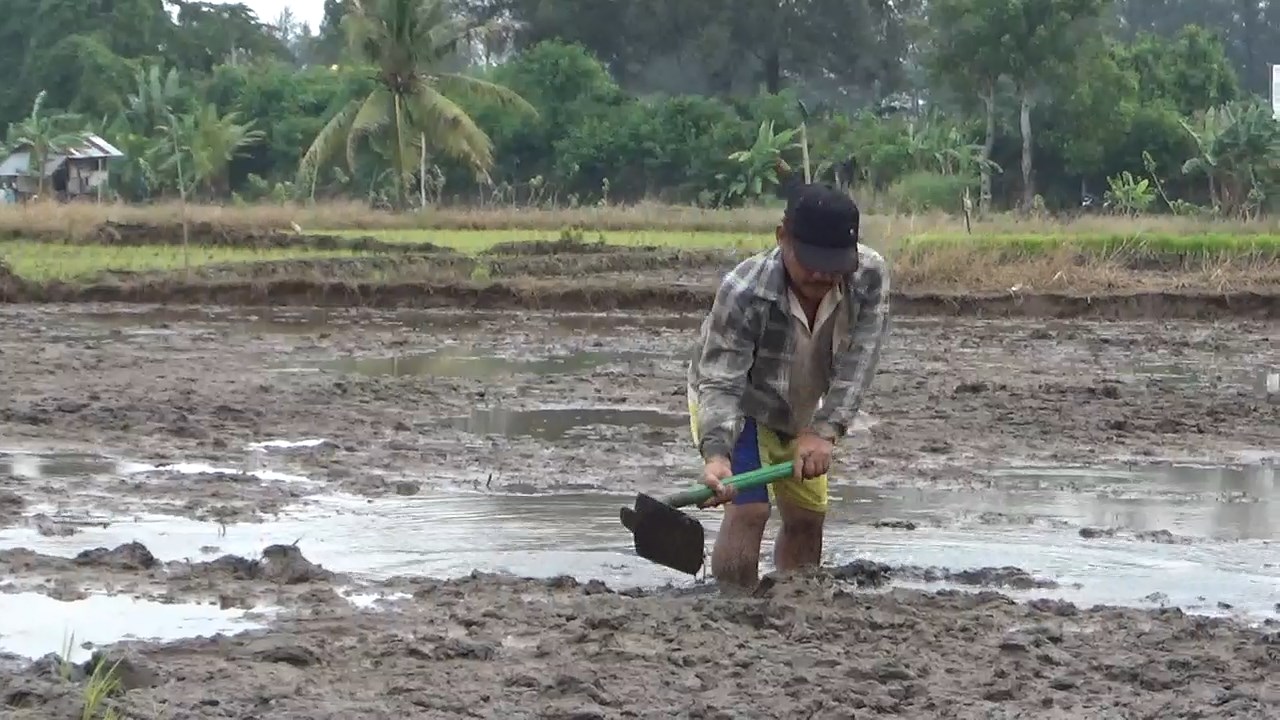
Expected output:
(952, 104)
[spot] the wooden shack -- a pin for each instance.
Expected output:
(71, 173)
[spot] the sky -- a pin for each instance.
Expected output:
(309, 11)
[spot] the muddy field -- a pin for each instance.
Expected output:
(1006, 477)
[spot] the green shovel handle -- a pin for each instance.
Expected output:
(742, 481)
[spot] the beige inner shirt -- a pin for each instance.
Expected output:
(810, 368)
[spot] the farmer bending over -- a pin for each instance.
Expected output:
(784, 357)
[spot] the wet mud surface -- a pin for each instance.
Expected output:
(154, 453)
(490, 646)
(534, 402)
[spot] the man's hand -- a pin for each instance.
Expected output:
(716, 471)
(813, 455)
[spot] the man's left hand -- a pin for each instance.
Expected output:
(813, 455)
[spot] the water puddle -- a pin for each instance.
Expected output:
(33, 625)
(66, 466)
(562, 423)
(461, 362)
(61, 466)
(1093, 528)
(132, 320)
(1263, 382)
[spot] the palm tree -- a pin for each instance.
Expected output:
(43, 135)
(407, 42)
(207, 142)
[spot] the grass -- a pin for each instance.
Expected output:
(475, 241)
(1208, 243)
(1004, 253)
(45, 262)
(101, 684)
(77, 219)
(942, 267)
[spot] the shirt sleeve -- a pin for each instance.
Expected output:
(727, 356)
(855, 367)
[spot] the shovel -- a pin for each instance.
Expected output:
(666, 536)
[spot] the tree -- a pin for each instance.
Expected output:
(1190, 70)
(407, 42)
(44, 135)
(967, 53)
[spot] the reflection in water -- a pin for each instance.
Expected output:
(558, 423)
(1252, 378)
(461, 362)
(1217, 502)
(287, 320)
(31, 466)
(33, 625)
(1030, 521)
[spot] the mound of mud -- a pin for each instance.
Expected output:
(133, 563)
(207, 234)
(617, 260)
(12, 287)
(428, 266)
(496, 646)
(567, 244)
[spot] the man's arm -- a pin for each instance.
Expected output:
(727, 355)
(855, 367)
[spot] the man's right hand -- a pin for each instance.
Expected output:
(714, 473)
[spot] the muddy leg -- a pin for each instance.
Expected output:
(735, 560)
(799, 542)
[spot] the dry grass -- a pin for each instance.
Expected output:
(959, 269)
(950, 269)
(929, 253)
(74, 220)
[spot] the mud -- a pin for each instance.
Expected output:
(281, 576)
(951, 399)
(116, 421)
(624, 293)
(498, 647)
(206, 234)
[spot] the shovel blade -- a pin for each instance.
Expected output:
(664, 535)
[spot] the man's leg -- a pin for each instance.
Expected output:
(736, 557)
(803, 507)
(799, 542)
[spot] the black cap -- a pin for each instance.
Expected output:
(823, 225)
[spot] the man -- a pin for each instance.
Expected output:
(784, 358)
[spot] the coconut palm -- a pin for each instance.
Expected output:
(406, 42)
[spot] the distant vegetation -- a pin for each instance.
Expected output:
(1144, 106)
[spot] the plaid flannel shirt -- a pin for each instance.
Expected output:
(742, 365)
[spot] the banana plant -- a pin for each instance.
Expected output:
(761, 166)
(44, 134)
(1238, 151)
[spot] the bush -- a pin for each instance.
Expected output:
(921, 192)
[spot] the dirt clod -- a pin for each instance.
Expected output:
(130, 556)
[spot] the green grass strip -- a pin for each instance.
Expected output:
(1154, 243)
(43, 262)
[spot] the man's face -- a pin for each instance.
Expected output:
(808, 284)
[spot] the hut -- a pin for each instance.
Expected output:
(69, 173)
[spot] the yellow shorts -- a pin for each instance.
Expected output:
(757, 447)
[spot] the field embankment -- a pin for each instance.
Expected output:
(619, 258)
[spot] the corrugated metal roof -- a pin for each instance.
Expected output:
(16, 164)
(93, 148)
(19, 163)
